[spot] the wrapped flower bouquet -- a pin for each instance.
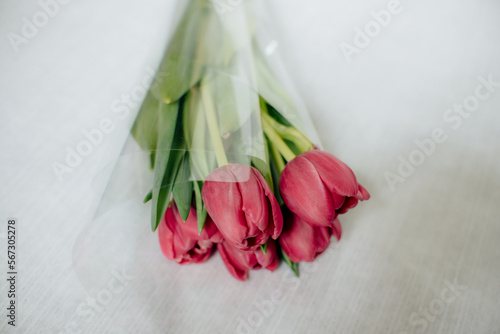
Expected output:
(234, 168)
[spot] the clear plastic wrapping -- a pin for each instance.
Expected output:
(218, 69)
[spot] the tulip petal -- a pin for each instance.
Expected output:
(275, 225)
(336, 175)
(270, 259)
(223, 202)
(253, 199)
(233, 262)
(350, 203)
(323, 236)
(166, 235)
(363, 194)
(301, 241)
(242, 206)
(190, 226)
(182, 243)
(197, 254)
(176, 242)
(304, 192)
(338, 200)
(337, 229)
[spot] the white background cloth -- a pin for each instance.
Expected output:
(400, 251)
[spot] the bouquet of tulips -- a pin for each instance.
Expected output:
(233, 169)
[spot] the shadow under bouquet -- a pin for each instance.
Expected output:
(236, 163)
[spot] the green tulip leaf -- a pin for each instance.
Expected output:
(181, 67)
(169, 153)
(293, 265)
(264, 169)
(148, 197)
(195, 132)
(201, 211)
(263, 248)
(276, 115)
(296, 140)
(183, 188)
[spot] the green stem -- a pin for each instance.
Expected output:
(196, 129)
(278, 159)
(213, 127)
(272, 135)
(291, 134)
(276, 140)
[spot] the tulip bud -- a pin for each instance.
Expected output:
(303, 242)
(179, 240)
(242, 205)
(239, 263)
(318, 187)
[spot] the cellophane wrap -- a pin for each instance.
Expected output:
(224, 59)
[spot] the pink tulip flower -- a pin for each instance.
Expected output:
(242, 205)
(239, 263)
(179, 240)
(318, 187)
(303, 242)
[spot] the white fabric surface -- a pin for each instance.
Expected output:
(399, 250)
